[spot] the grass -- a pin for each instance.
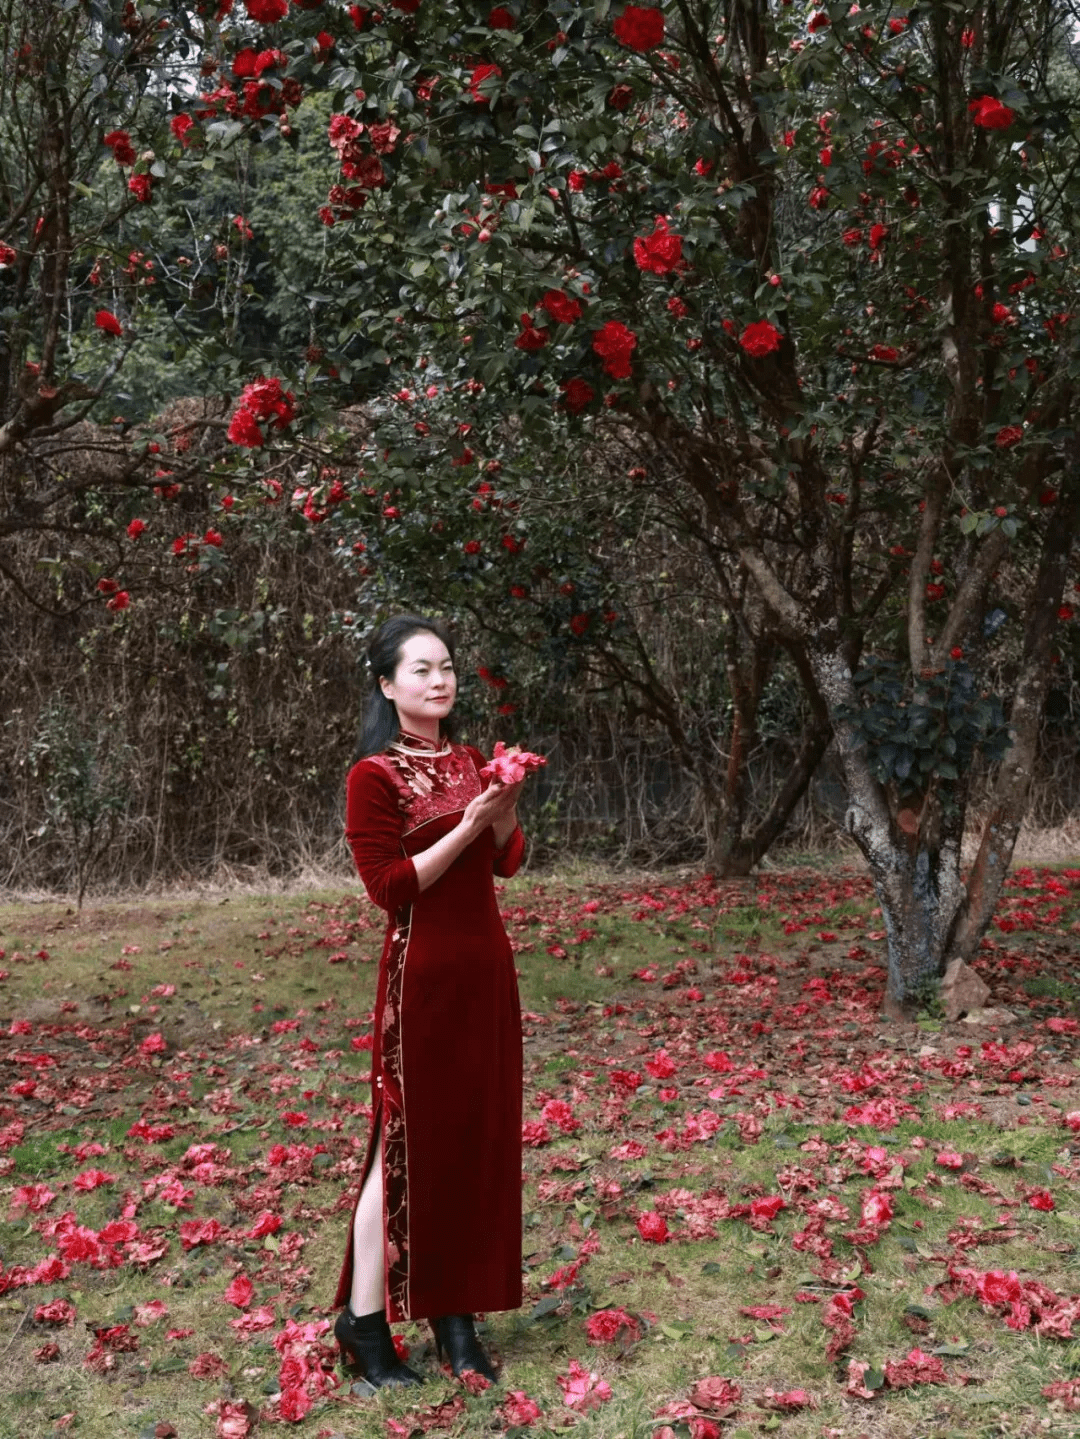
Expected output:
(244, 963)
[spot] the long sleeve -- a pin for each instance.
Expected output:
(507, 861)
(373, 824)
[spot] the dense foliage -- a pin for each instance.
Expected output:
(795, 282)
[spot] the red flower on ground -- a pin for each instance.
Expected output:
(614, 344)
(660, 252)
(608, 1325)
(652, 1227)
(107, 321)
(519, 1409)
(989, 113)
(760, 338)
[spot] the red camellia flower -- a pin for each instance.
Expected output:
(119, 601)
(760, 338)
(607, 1325)
(268, 401)
(7, 256)
(481, 73)
(106, 587)
(135, 529)
(244, 429)
(500, 18)
(107, 321)
(471, 547)
(620, 96)
(818, 21)
(1065, 612)
(614, 344)
(180, 125)
(660, 252)
(577, 393)
(878, 236)
(119, 142)
(639, 27)
(562, 308)
(579, 624)
(240, 1292)
(141, 187)
(989, 113)
(885, 353)
(531, 338)
(267, 12)
(1001, 314)
(652, 1227)
(1008, 436)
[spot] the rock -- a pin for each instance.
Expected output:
(989, 1016)
(962, 991)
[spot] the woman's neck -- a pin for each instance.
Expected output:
(421, 729)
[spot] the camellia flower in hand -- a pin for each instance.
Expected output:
(511, 766)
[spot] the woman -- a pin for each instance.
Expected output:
(436, 1232)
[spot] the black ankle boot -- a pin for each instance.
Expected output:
(366, 1343)
(455, 1334)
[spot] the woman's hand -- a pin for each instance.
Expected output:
(493, 805)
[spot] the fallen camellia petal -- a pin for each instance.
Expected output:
(789, 1402)
(582, 1389)
(716, 1394)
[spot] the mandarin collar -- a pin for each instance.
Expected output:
(417, 744)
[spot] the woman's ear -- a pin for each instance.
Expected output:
(385, 686)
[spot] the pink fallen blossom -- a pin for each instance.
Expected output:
(583, 1389)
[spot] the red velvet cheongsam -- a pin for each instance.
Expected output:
(446, 1058)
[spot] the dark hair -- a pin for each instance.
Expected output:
(379, 726)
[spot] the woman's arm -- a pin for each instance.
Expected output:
(491, 807)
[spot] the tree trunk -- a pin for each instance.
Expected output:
(916, 874)
(733, 850)
(1013, 781)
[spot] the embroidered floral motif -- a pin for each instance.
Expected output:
(395, 1166)
(430, 783)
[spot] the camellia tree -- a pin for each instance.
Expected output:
(817, 262)
(812, 264)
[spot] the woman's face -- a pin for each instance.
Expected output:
(424, 685)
